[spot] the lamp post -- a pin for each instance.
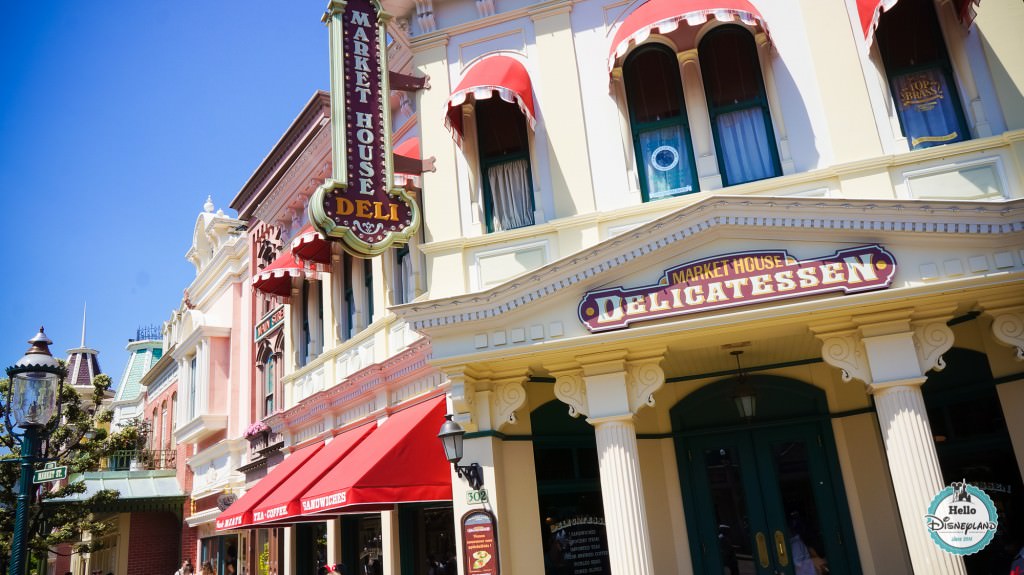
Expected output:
(36, 382)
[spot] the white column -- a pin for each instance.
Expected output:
(625, 515)
(891, 352)
(914, 465)
(701, 136)
(389, 542)
(333, 541)
(288, 566)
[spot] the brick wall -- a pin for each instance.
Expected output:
(153, 543)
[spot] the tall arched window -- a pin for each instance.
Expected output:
(165, 433)
(740, 120)
(153, 440)
(920, 75)
(269, 381)
(504, 147)
(657, 114)
(174, 412)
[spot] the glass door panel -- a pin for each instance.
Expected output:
(732, 526)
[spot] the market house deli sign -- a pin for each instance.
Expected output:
(359, 205)
(736, 279)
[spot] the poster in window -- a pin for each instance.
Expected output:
(666, 163)
(927, 108)
(577, 545)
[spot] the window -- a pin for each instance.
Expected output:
(269, 382)
(920, 75)
(164, 434)
(661, 135)
(192, 389)
(504, 148)
(350, 304)
(404, 286)
(740, 120)
(368, 286)
(174, 410)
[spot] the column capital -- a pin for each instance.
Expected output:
(463, 394)
(570, 388)
(687, 56)
(508, 395)
(599, 421)
(1007, 322)
(874, 347)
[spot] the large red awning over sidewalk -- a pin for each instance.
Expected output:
(239, 515)
(282, 506)
(401, 462)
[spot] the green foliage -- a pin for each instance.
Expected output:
(78, 440)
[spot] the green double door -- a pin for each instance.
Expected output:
(766, 501)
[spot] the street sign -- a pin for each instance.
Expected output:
(50, 472)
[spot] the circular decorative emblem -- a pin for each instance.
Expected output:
(961, 519)
(664, 158)
(224, 500)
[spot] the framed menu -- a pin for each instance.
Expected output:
(480, 543)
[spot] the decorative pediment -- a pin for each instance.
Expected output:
(982, 238)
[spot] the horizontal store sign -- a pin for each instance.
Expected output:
(269, 323)
(737, 279)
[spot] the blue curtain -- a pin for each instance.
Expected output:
(665, 156)
(743, 143)
(927, 109)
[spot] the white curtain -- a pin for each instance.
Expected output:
(408, 289)
(743, 141)
(510, 195)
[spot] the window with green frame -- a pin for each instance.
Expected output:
(738, 108)
(920, 75)
(269, 381)
(504, 148)
(657, 116)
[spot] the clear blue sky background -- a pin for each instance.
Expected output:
(117, 119)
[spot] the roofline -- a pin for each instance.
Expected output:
(271, 169)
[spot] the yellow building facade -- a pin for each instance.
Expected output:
(725, 287)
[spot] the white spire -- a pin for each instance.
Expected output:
(83, 323)
(208, 206)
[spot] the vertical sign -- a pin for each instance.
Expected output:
(480, 543)
(359, 205)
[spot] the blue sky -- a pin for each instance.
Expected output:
(117, 119)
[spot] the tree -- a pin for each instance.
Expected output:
(78, 439)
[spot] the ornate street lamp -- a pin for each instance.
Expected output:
(451, 437)
(33, 396)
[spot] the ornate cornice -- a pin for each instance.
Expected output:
(715, 213)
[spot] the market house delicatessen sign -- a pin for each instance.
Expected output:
(737, 279)
(359, 205)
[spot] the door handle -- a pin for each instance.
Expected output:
(762, 550)
(780, 548)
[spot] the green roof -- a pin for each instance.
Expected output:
(138, 364)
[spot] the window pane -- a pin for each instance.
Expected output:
(665, 155)
(926, 109)
(909, 35)
(652, 86)
(501, 128)
(743, 141)
(729, 64)
(510, 195)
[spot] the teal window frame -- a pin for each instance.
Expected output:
(759, 101)
(638, 128)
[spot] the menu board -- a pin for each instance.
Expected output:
(480, 543)
(579, 546)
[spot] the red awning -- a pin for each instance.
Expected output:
(310, 246)
(283, 504)
(402, 462)
(277, 277)
(501, 75)
(869, 12)
(664, 16)
(239, 515)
